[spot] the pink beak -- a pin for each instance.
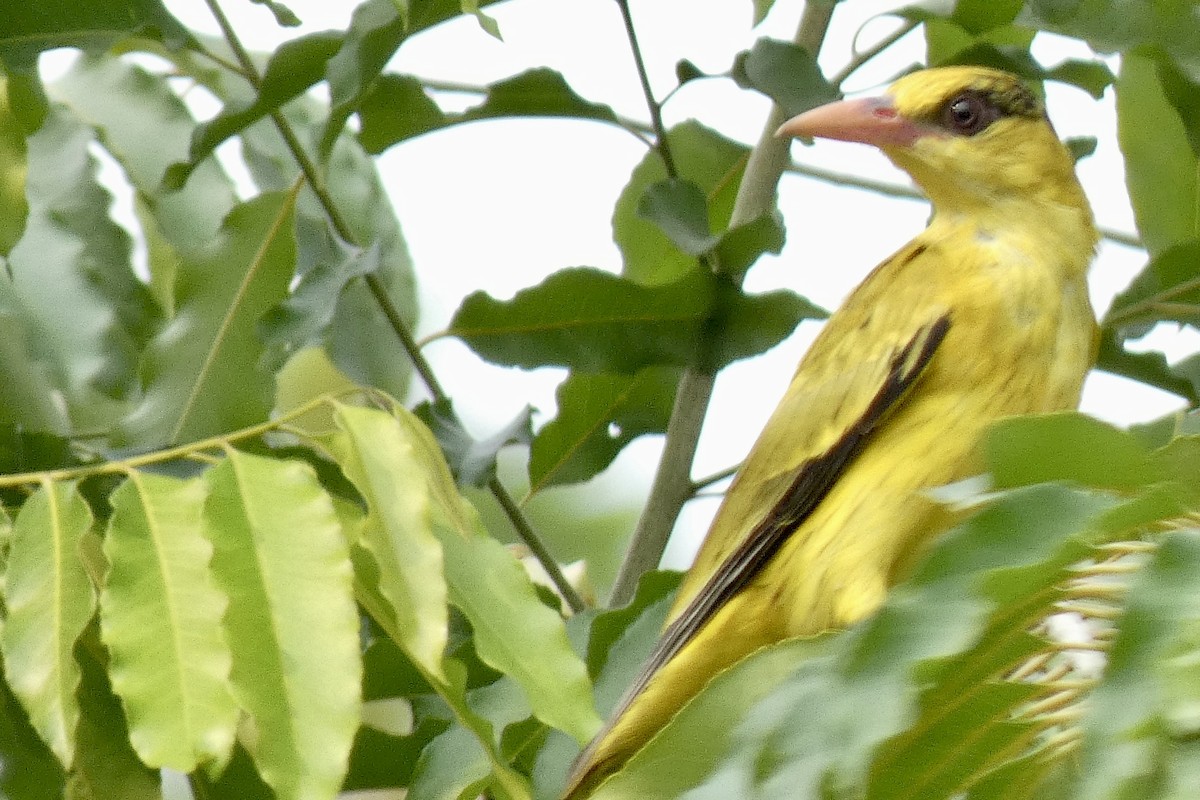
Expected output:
(872, 121)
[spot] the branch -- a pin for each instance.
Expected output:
(672, 485)
(315, 180)
(656, 122)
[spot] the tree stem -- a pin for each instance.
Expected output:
(672, 486)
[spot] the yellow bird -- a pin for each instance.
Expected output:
(983, 315)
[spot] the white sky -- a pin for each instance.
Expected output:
(500, 205)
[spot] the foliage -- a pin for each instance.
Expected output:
(230, 551)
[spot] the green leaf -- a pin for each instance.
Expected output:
(472, 461)
(589, 321)
(1067, 446)
(396, 108)
(31, 27)
(353, 335)
(293, 68)
(146, 131)
(980, 16)
(1112, 25)
(72, 255)
(1094, 77)
(706, 159)
(495, 594)
(785, 72)
(388, 472)
(537, 92)
(201, 372)
(741, 246)
(160, 617)
(292, 625)
(1141, 722)
(598, 414)
(376, 31)
(48, 601)
(678, 208)
(1160, 165)
(745, 325)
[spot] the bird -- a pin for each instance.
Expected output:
(984, 315)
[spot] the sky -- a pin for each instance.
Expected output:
(500, 205)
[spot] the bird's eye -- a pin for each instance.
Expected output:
(968, 114)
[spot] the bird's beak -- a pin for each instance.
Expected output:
(874, 121)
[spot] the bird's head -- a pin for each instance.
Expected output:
(973, 138)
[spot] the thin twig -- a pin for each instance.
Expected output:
(862, 58)
(315, 180)
(655, 108)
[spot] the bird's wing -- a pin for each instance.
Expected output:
(806, 486)
(845, 385)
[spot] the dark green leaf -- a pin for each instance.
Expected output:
(1067, 447)
(31, 27)
(1091, 76)
(1081, 147)
(293, 68)
(284, 16)
(472, 461)
(589, 321)
(396, 108)
(598, 414)
(678, 208)
(746, 325)
(686, 71)
(980, 16)
(703, 157)
(31, 772)
(1112, 25)
(786, 73)
(13, 206)
(537, 93)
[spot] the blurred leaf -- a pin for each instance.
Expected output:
(354, 335)
(31, 772)
(472, 461)
(294, 67)
(1081, 147)
(27, 394)
(146, 127)
(1139, 735)
(284, 16)
(160, 617)
(940, 627)
(292, 625)
(589, 321)
(1184, 95)
(1160, 165)
(72, 255)
(741, 246)
(786, 73)
(1112, 25)
(48, 601)
(706, 159)
(31, 27)
(106, 765)
(1151, 368)
(598, 414)
(980, 16)
(1067, 446)
(1091, 76)
(686, 72)
(201, 372)
(1167, 289)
